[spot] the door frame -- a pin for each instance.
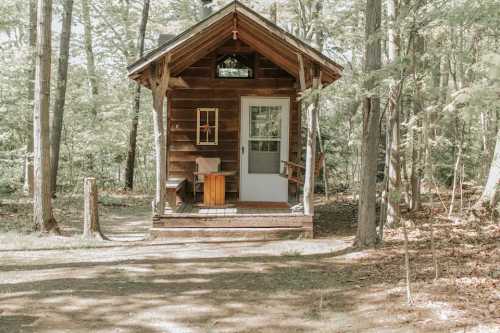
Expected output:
(285, 140)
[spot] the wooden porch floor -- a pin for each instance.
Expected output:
(234, 210)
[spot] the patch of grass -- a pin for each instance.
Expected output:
(14, 241)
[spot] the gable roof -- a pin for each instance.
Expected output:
(265, 37)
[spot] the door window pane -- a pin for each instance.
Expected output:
(265, 122)
(265, 139)
(264, 157)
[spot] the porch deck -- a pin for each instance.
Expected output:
(239, 220)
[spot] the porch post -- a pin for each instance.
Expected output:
(310, 164)
(159, 76)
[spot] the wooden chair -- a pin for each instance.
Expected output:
(204, 166)
(295, 172)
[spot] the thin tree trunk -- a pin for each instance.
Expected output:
(455, 176)
(322, 150)
(394, 188)
(274, 12)
(62, 75)
(417, 148)
(28, 178)
(42, 205)
(384, 198)
(89, 52)
(366, 234)
(130, 164)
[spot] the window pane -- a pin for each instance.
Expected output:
(234, 67)
(264, 157)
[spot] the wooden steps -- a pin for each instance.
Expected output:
(245, 233)
(262, 222)
(237, 221)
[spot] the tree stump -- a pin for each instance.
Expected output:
(91, 228)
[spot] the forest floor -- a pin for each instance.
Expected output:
(128, 284)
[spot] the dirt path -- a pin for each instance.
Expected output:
(205, 286)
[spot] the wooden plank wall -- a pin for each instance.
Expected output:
(206, 91)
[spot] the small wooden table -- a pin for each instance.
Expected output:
(214, 191)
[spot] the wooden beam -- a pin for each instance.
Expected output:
(271, 54)
(302, 72)
(201, 52)
(311, 148)
(159, 78)
(177, 82)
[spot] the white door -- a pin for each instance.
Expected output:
(264, 144)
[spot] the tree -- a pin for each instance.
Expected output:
(490, 192)
(62, 76)
(130, 164)
(366, 233)
(89, 52)
(28, 178)
(394, 191)
(42, 205)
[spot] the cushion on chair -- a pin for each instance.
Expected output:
(207, 165)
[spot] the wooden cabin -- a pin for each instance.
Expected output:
(230, 161)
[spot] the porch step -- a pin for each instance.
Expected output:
(237, 221)
(245, 233)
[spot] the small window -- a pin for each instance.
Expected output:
(207, 127)
(236, 67)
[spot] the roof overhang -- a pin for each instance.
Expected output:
(279, 46)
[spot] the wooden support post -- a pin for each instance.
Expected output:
(91, 228)
(302, 73)
(159, 78)
(311, 149)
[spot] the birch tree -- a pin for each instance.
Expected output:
(393, 195)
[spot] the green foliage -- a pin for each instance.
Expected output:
(460, 34)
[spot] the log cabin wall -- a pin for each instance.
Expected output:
(207, 91)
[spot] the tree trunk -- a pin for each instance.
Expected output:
(322, 150)
(62, 75)
(385, 190)
(418, 150)
(490, 192)
(274, 12)
(91, 70)
(456, 171)
(42, 205)
(91, 227)
(366, 233)
(130, 164)
(159, 77)
(394, 186)
(28, 178)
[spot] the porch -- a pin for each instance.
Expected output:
(235, 220)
